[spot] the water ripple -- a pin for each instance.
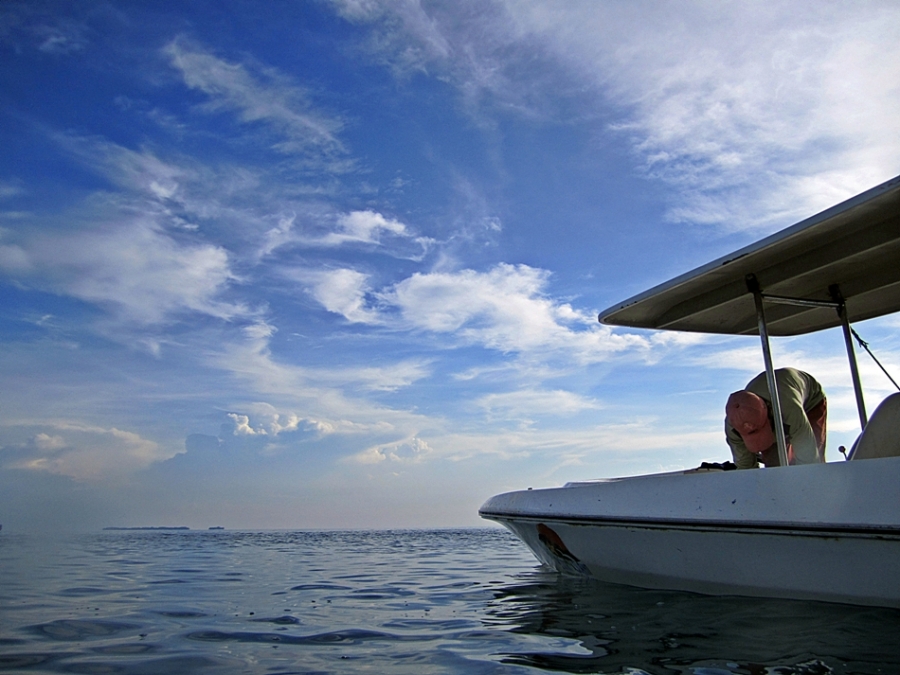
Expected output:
(27, 660)
(280, 620)
(82, 629)
(320, 587)
(353, 636)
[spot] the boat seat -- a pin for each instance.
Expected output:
(881, 437)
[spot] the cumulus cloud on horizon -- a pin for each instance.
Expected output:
(80, 451)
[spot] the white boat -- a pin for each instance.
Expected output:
(823, 531)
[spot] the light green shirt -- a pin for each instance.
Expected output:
(798, 393)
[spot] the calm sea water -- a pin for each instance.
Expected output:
(446, 601)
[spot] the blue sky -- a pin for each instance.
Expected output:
(338, 264)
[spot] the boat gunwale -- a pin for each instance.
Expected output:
(706, 525)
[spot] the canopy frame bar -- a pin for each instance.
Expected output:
(835, 291)
(840, 306)
(801, 302)
(780, 439)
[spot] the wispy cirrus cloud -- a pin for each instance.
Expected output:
(353, 228)
(136, 173)
(758, 116)
(401, 20)
(755, 131)
(10, 189)
(44, 28)
(322, 393)
(625, 445)
(61, 38)
(258, 95)
(526, 403)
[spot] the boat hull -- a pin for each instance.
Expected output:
(725, 533)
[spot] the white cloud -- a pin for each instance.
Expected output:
(118, 250)
(138, 172)
(526, 403)
(393, 377)
(279, 235)
(45, 442)
(363, 226)
(135, 268)
(149, 274)
(179, 192)
(343, 291)
(273, 424)
(81, 451)
(408, 451)
(242, 426)
(262, 97)
(315, 381)
(403, 18)
(327, 399)
(61, 39)
(506, 309)
(269, 421)
(622, 448)
(351, 228)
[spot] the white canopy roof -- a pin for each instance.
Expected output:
(855, 245)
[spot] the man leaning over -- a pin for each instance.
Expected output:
(750, 427)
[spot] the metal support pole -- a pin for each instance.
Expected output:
(851, 354)
(780, 439)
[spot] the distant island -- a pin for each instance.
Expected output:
(147, 528)
(217, 527)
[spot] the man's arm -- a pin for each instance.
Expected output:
(743, 458)
(802, 438)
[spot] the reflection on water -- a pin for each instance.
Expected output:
(447, 601)
(612, 629)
